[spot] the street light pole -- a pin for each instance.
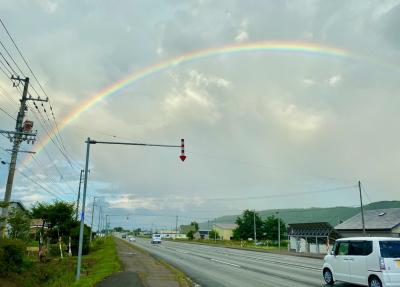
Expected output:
(78, 266)
(88, 143)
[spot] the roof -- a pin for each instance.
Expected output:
(16, 203)
(186, 228)
(370, 238)
(37, 223)
(312, 229)
(377, 219)
(229, 226)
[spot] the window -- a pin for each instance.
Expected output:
(390, 249)
(343, 248)
(360, 248)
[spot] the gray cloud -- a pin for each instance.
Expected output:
(255, 123)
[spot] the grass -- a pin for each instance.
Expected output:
(101, 262)
(236, 244)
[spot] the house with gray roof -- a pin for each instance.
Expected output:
(378, 222)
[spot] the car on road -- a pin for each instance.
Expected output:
(156, 239)
(123, 236)
(131, 239)
(365, 261)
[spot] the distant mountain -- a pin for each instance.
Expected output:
(333, 215)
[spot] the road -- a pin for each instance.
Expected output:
(217, 266)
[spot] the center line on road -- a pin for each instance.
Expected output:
(223, 262)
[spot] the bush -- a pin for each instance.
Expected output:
(75, 240)
(11, 256)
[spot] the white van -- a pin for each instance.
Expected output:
(156, 239)
(366, 261)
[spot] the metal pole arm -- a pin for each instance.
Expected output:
(130, 143)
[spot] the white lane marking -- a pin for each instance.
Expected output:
(223, 262)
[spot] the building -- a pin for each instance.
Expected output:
(36, 225)
(316, 237)
(172, 234)
(14, 204)
(201, 234)
(378, 222)
(225, 230)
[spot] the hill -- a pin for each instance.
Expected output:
(333, 215)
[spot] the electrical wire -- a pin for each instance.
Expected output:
(8, 114)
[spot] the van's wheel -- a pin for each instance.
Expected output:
(374, 282)
(328, 277)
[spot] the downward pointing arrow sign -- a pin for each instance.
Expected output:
(182, 157)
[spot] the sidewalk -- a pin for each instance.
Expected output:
(140, 269)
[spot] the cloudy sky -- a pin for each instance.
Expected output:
(263, 129)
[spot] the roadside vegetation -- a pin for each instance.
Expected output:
(45, 255)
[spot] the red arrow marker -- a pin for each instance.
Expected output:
(182, 156)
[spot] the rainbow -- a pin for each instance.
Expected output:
(303, 48)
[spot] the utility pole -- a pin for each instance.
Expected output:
(106, 224)
(279, 230)
(79, 195)
(255, 232)
(176, 227)
(98, 221)
(23, 132)
(362, 209)
(215, 230)
(91, 222)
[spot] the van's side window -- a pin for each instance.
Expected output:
(368, 248)
(360, 248)
(343, 248)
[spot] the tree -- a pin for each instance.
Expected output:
(271, 228)
(59, 219)
(190, 234)
(245, 227)
(195, 225)
(213, 234)
(118, 229)
(58, 216)
(20, 224)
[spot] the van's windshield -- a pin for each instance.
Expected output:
(390, 249)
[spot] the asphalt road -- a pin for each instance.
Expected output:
(217, 266)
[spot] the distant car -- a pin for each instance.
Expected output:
(124, 236)
(366, 261)
(132, 239)
(156, 239)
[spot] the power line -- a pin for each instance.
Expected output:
(58, 135)
(4, 111)
(38, 184)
